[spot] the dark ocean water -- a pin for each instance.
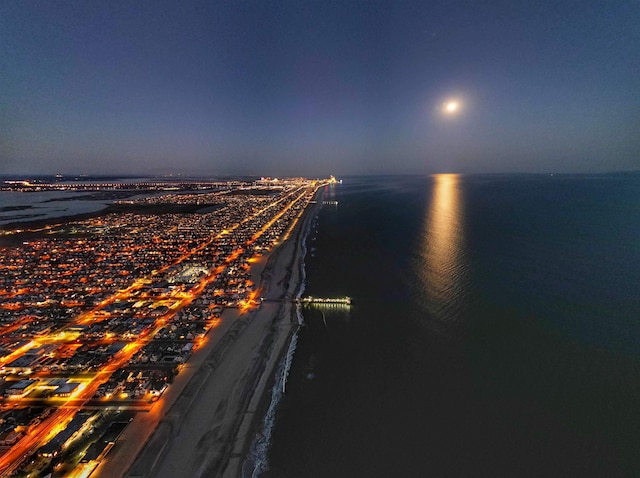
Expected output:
(495, 331)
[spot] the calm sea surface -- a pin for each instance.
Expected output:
(32, 206)
(495, 331)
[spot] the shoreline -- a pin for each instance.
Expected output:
(256, 424)
(206, 425)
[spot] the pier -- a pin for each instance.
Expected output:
(325, 301)
(316, 301)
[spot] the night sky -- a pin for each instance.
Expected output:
(318, 87)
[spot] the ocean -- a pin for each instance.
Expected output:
(494, 331)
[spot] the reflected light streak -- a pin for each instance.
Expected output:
(443, 266)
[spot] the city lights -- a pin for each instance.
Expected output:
(104, 312)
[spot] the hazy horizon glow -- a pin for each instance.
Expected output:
(312, 88)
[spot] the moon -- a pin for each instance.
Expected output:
(451, 106)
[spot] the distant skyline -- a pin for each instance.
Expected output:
(318, 88)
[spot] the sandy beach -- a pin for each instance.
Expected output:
(205, 423)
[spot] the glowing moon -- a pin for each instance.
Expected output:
(451, 107)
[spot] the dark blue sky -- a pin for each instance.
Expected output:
(318, 87)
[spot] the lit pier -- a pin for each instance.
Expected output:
(326, 301)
